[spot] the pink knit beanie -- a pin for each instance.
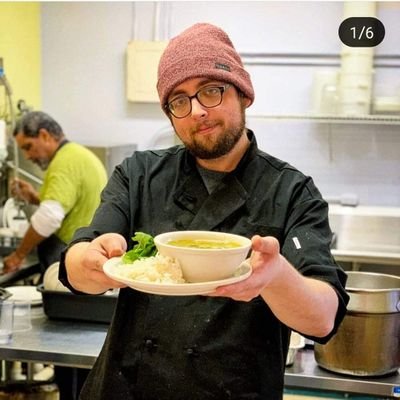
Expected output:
(203, 50)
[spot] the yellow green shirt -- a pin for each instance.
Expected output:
(75, 178)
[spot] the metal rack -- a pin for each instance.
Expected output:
(332, 119)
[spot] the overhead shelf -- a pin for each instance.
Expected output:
(332, 119)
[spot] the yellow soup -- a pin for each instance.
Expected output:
(204, 244)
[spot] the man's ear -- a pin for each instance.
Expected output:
(245, 101)
(44, 134)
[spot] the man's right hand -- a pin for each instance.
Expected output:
(22, 190)
(12, 262)
(84, 263)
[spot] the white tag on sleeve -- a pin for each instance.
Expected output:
(296, 242)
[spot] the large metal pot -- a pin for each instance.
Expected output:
(368, 340)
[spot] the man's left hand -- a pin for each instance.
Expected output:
(266, 261)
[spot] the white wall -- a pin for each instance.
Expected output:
(84, 47)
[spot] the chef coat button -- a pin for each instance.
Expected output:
(149, 343)
(191, 352)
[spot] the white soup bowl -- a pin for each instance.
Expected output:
(204, 264)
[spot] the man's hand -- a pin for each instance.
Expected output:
(12, 262)
(265, 260)
(22, 190)
(84, 262)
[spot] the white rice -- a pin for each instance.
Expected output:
(156, 269)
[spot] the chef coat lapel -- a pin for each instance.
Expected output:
(209, 210)
(191, 194)
(228, 197)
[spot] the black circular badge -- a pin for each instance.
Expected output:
(361, 32)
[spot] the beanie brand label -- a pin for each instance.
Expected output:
(223, 66)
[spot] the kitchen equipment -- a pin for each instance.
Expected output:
(6, 321)
(112, 155)
(25, 293)
(51, 281)
(368, 340)
(4, 294)
(8, 241)
(22, 316)
(324, 94)
(355, 81)
(386, 105)
(66, 305)
(296, 342)
(27, 305)
(15, 218)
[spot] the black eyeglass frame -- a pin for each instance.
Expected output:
(222, 89)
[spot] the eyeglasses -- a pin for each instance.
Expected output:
(209, 97)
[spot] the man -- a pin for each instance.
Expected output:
(232, 343)
(69, 195)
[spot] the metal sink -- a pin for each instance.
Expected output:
(366, 234)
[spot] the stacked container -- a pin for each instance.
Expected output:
(356, 73)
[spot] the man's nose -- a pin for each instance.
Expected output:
(197, 109)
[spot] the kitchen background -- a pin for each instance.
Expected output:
(69, 59)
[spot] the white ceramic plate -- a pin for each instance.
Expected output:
(173, 289)
(25, 293)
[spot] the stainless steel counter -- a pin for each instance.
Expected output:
(77, 344)
(68, 343)
(306, 374)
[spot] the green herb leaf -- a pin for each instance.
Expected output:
(145, 247)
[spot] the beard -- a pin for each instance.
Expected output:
(208, 148)
(42, 163)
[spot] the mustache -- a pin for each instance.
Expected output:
(203, 125)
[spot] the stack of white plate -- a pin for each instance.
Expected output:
(356, 73)
(355, 81)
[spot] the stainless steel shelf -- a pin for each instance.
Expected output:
(331, 119)
(366, 257)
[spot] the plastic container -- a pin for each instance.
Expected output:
(67, 305)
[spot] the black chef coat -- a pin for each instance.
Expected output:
(196, 347)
